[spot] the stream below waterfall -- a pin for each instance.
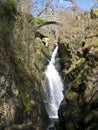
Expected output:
(53, 90)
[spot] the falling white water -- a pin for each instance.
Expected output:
(55, 87)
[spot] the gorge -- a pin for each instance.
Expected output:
(31, 79)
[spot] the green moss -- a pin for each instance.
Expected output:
(1, 108)
(22, 74)
(38, 21)
(25, 101)
(94, 13)
(75, 65)
(57, 59)
(70, 95)
(45, 53)
(1, 123)
(81, 76)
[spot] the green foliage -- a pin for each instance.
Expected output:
(7, 9)
(37, 21)
(7, 17)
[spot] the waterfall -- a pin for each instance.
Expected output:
(54, 88)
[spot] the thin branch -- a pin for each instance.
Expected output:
(45, 7)
(72, 1)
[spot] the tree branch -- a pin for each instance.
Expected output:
(45, 7)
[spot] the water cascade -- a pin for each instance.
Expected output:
(54, 88)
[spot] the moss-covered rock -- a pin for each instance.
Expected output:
(94, 13)
(79, 109)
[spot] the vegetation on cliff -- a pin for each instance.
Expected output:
(24, 56)
(79, 109)
(21, 94)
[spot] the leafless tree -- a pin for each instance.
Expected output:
(72, 1)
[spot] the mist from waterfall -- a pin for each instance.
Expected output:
(54, 87)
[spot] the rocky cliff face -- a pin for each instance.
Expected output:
(21, 91)
(79, 109)
(22, 62)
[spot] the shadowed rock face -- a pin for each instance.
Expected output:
(79, 109)
(8, 105)
(21, 92)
